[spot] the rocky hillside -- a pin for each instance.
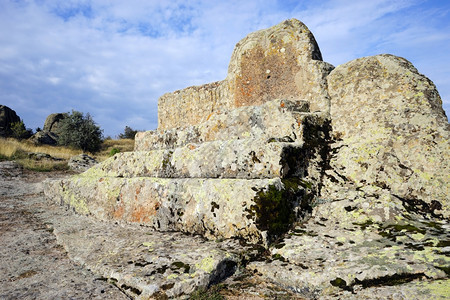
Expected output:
(328, 182)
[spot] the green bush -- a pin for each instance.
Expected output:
(80, 132)
(128, 133)
(19, 131)
(113, 151)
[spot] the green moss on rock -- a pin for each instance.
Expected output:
(274, 208)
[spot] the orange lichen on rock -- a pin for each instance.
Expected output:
(144, 213)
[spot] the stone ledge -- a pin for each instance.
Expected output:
(145, 264)
(245, 159)
(214, 208)
(275, 119)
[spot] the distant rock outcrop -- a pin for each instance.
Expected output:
(52, 122)
(81, 163)
(7, 118)
(49, 134)
(340, 175)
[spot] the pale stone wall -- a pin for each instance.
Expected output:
(192, 105)
(277, 119)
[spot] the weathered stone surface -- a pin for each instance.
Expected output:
(52, 122)
(283, 61)
(214, 208)
(7, 118)
(44, 137)
(347, 200)
(392, 131)
(246, 158)
(10, 169)
(81, 163)
(276, 120)
(356, 244)
(194, 103)
(144, 264)
(33, 265)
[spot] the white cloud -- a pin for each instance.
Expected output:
(114, 59)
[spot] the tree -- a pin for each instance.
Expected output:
(80, 132)
(19, 131)
(128, 133)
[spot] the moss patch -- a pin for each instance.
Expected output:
(274, 208)
(273, 211)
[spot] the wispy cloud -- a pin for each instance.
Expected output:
(114, 59)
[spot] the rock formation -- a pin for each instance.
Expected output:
(52, 122)
(49, 134)
(340, 174)
(7, 118)
(81, 162)
(282, 62)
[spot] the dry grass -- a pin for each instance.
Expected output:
(44, 165)
(123, 145)
(12, 149)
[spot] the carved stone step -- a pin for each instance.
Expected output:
(275, 119)
(255, 210)
(247, 159)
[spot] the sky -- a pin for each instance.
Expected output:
(114, 59)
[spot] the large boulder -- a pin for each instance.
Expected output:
(49, 134)
(81, 162)
(392, 130)
(44, 137)
(7, 118)
(52, 123)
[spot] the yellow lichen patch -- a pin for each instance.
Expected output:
(417, 236)
(149, 245)
(172, 276)
(437, 288)
(341, 239)
(207, 264)
(76, 203)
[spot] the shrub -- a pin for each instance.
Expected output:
(80, 132)
(128, 133)
(19, 131)
(113, 151)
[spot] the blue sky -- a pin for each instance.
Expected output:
(114, 59)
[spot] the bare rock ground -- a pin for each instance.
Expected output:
(33, 265)
(49, 252)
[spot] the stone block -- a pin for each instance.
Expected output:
(255, 210)
(277, 119)
(393, 132)
(246, 158)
